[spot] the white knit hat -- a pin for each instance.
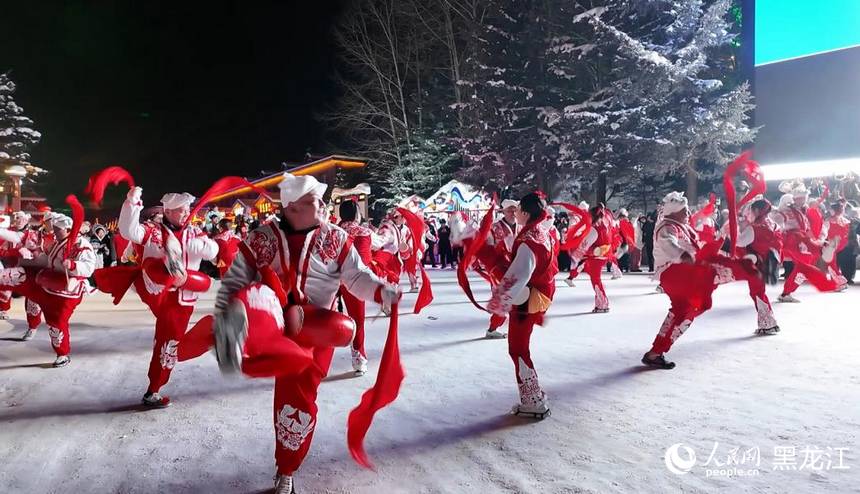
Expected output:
(172, 200)
(293, 187)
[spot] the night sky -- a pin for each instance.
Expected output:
(178, 94)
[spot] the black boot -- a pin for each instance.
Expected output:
(658, 362)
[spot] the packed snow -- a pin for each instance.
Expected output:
(81, 429)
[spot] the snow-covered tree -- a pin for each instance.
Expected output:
(510, 140)
(498, 97)
(649, 89)
(17, 135)
(427, 167)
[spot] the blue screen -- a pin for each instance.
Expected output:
(787, 29)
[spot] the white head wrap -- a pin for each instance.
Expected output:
(785, 201)
(59, 220)
(21, 214)
(509, 203)
(623, 212)
(173, 200)
(584, 205)
(293, 187)
(794, 187)
(674, 202)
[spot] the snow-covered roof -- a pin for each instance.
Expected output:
(456, 196)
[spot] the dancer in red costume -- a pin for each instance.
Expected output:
(389, 252)
(312, 259)
(594, 252)
(575, 266)
(502, 237)
(57, 281)
(173, 248)
(23, 241)
(837, 231)
(525, 293)
(688, 274)
(617, 246)
(228, 245)
(363, 238)
(523, 289)
(627, 232)
(762, 242)
(410, 255)
(800, 245)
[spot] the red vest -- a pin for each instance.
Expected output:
(540, 241)
(360, 236)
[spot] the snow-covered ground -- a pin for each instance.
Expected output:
(80, 429)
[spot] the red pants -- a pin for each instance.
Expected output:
(689, 287)
(410, 266)
(791, 283)
(594, 267)
(171, 322)
(57, 312)
(520, 327)
(295, 412)
(5, 300)
(32, 309)
(835, 272)
(390, 263)
(355, 309)
(764, 311)
(496, 322)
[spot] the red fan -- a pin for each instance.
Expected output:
(753, 171)
(416, 227)
(112, 175)
(383, 392)
(223, 185)
(471, 252)
(77, 221)
(577, 234)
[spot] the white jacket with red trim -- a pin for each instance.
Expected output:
(326, 261)
(196, 246)
(83, 265)
(396, 240)
(672, 240)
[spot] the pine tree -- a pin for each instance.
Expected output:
(648, 95)
(17, 135)
(428, 164)
(499, 105)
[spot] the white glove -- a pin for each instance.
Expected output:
(390, 295)
(25, 253)
(134, 195)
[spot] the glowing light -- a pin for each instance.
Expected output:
(810, 169)
(316, 166)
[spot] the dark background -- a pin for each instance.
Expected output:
(180, 94)
(809, 108)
